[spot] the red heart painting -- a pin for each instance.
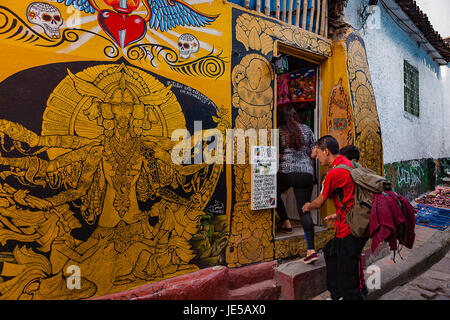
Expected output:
(122, 28)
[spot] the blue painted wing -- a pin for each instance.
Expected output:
(82, 5)
(168, 14)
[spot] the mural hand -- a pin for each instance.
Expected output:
(19, 197)
(18, 133)
(23, 198)
(37, 203)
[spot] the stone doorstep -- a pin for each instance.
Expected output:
(298, 232)
(300, 281)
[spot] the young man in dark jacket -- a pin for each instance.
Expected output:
(341, 253)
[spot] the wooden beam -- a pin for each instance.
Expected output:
(267, 8)
(318, 17)
(305, 9)
(323, 17)
(277, 12)
(297, 14)
(291, 5)
(311, 16)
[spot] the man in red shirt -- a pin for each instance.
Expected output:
(341, 253)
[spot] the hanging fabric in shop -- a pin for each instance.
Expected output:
(302, 85)
(283, 94)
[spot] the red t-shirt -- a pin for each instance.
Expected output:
(340, 178)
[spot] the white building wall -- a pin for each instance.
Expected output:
(405, 137)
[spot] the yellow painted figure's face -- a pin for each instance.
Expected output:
(122, 106)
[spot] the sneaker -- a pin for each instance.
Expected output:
(311, 258)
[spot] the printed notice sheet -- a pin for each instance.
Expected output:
(264, 177)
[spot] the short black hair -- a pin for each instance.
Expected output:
(330, 143)
(351, 152)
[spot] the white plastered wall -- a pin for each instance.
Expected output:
(405, 137)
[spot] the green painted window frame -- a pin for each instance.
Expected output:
(411, 88)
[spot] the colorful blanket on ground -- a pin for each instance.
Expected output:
(436, 218)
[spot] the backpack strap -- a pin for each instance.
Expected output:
(349, 169)
(344, 166)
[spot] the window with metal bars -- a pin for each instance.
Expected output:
(411, 88)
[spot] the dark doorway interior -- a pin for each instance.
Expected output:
(297, 84)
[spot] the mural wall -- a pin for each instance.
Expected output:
(90, 95)
(413, 178)
(367, 125)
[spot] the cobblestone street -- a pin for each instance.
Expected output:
(433, 284)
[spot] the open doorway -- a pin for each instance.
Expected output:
(298, 84)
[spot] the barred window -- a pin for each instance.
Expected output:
(411, 92)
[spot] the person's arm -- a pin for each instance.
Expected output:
(317, 203)
(327, 188)
(312, 144)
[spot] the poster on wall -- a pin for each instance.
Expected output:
(264, 177)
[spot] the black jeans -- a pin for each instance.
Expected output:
(342, 262)
(303, 186)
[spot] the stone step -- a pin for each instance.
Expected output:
(300, 281)
(247, 275)
(298, 232)
(265, 290)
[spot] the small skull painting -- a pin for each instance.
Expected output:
(46, 16)
(188, 44)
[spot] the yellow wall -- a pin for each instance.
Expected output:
(87, 180)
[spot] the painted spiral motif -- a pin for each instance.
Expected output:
(210, 66)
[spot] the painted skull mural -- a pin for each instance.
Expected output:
(188, 44)
(47, 17)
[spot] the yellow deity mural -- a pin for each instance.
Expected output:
(123, 118)
(88, 187)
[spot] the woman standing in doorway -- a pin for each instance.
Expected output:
(297, 148)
